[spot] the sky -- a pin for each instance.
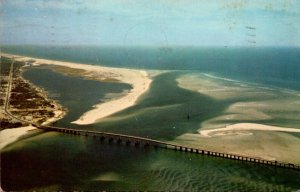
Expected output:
(150, 23)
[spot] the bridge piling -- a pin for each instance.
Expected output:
(119, 141)
(145, 142)
(137, 143)
(146, 145)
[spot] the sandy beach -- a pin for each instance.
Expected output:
(8, 136)
(138, 79)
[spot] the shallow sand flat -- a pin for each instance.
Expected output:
(139, 80)
(214, 88)
(247, 102)
(270, 145)
(231, 129)
(222, 89)
(109, 176)
(8, 136)
(282, 108)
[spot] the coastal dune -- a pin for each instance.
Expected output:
(138, 79)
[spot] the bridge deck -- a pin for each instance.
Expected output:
(162, 144)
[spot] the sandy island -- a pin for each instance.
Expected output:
(237, 128)
(139, 80)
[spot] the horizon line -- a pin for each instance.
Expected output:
(154, 46)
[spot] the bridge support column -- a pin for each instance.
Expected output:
(146, 145)
(137, 143)
(119, 141)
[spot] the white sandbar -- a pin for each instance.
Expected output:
(235, 128)
(139, 80)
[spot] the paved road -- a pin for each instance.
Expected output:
(8, 93)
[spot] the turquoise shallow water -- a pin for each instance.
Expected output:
(53, 161)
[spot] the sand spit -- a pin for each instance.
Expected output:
(240, 128)
(8, 136)
(139, 80)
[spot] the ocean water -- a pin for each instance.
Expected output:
(53, 161)
(276, 66)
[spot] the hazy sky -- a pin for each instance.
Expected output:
(155, 22)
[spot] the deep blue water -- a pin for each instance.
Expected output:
(273, 66)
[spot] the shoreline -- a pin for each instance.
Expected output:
(11, 135)
(138, 79)
(8, 136)
(60, 112)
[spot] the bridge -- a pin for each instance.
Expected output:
(144, 142)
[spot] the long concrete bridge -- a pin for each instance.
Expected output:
(146, 142)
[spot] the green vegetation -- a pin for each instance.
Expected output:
(26, 101)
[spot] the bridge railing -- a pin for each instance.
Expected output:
(151, 142)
